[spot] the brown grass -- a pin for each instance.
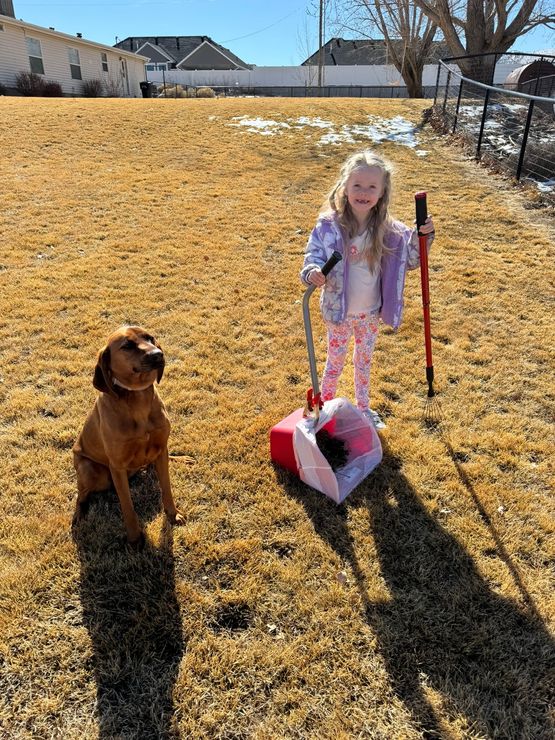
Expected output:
(420, 608)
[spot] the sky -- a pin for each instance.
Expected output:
(259, 32)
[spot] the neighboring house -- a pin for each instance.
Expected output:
(68, 60)
(181, 52)
(367, 51)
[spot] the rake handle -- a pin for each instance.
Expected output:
(421, 216)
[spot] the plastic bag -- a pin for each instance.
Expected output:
(343, 421)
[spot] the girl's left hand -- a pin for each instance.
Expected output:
(427, 227)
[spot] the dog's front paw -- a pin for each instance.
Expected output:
(136, 542)
(80, 513)
(176, 518)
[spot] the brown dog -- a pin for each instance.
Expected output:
(128, 427)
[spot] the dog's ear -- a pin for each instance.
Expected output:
(102, 379)
(160, 369)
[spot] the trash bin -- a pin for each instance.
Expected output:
(146, 89)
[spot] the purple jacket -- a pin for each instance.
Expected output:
(403, 255)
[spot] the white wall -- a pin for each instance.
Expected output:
(54, 47)
(300, 76)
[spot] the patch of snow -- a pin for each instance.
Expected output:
(333, 138)
(397, 130)
(260, 126)
(316, 122)
(471, 110)
(547, 187)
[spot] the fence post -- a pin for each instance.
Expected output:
(538, 77)
(446, 90)
(484, 114)
(524, 140)
(458, 105)
(437, 82)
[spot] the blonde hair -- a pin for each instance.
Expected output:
(378, 220)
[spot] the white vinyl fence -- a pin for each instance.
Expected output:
(307, 76)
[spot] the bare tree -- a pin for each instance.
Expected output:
(485, 26)
(407, 32)
(320, 10)
(305, 45)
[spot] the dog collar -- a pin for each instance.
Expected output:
(141, 388)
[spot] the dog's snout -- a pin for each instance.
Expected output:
(155, 357)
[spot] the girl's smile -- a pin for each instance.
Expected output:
(363, 189)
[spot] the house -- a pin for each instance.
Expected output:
(182, 52)
(352, 52)
(68, 60)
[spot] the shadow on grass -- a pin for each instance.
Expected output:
(443, 627)
(131, 612)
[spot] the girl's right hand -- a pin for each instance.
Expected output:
(316, 278)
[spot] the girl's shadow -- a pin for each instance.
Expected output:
(490, 659)
(131, 612)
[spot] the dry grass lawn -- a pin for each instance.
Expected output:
(421, 608)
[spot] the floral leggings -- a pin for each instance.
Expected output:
(365, 329)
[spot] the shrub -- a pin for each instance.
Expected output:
(93, 88)
(171, 91)
(29, 83)
(113, 88)
(205, 92)
(52, 89)
(3, 89)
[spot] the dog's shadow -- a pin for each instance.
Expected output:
(442, 626)
(131, 612)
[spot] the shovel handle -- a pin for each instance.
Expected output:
(329, 265)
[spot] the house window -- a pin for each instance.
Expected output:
(156, 67)
(35, 55)
(104, 58)
(74, 63)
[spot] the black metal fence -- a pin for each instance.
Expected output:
(302, 91)
(514, 129)
(327, 91)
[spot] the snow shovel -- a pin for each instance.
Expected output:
(330, 446)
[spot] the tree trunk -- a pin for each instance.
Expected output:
(480, 68)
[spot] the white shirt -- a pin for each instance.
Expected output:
(364, 293)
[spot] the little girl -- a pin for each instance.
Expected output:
(367, 284)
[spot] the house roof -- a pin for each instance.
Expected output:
(179, 48)
(64, 36)
(366, 51)
(532, 71)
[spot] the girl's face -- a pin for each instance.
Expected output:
(364, 188)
